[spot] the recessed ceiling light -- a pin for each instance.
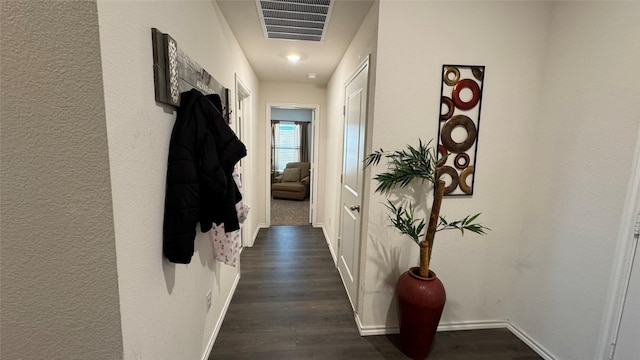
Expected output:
(294, 58)
(312, 75)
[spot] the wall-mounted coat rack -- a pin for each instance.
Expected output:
(175, 72)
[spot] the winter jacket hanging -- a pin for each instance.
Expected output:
(202, 153)
(225, 212)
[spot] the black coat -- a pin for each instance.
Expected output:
(200, 188)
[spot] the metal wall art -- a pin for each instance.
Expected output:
(460, 104)
(175, 72)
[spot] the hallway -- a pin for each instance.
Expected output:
(290, 304)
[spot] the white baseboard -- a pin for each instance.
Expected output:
(532, 343)
(255, 234)
(328, 239)
(472, 325)
(454, 326)
(373, 330)
(216, 329)
(465, 325)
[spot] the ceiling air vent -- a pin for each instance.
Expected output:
(294, 19)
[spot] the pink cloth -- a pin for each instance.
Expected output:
(226, 245)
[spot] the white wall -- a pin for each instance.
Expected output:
(585, 132)
(558, 128)
(162, 304)
(415, 39)
(287, 93)
(59, 281)
(305, 115)
(332, 133)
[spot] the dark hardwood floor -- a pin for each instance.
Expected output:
(290, 304)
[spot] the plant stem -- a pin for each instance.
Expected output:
(426, 246)
(424, 259)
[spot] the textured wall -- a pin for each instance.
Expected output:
(163, 305)
(59, 281)
(509, 38)
(558, 128)
(585, 135)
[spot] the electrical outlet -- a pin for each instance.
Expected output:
(208, 300)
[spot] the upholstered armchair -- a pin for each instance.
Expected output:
(293, 183)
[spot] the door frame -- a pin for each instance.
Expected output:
(364, 203)
(626, 246)
(313, 196)
(243, 96)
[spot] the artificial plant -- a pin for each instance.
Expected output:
(421, 164)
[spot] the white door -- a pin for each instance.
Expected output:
(628, 346)
(352, 182)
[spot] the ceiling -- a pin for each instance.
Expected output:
(268, 57)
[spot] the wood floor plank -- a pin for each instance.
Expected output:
(290, 304)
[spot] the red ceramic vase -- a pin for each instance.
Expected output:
(420, 304)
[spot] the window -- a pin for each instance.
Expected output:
(286, 144)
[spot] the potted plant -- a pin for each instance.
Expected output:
(419, 293)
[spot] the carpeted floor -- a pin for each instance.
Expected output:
(289, 212)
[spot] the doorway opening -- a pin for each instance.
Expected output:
(291, 167)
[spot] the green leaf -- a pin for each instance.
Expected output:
(373, 158)
(406, 165)
(474, 217)
(462, 225)
(403, 219)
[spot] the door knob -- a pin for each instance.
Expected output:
(354, 208)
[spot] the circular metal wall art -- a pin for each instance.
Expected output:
(449, 103)
(461, 96)
(477, 73)
(466, 84)
(461, 161)
(448, 170)
(456, 76)
(447, 140)
(443, 152)
(464, 186)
